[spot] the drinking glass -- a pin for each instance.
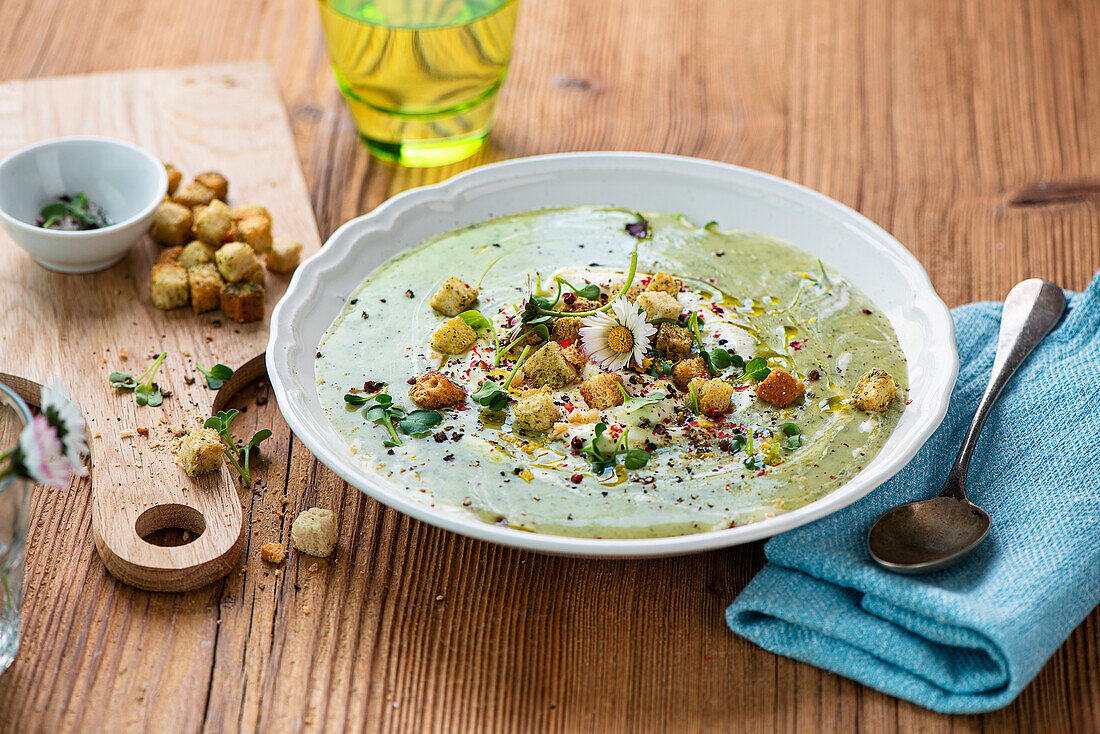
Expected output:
(420, 76)
(15, 501)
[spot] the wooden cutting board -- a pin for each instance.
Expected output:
(78, 328)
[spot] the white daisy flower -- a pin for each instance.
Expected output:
(64, 415)
(615, 338)
(41, 455)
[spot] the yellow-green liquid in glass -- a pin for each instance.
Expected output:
(420, 76)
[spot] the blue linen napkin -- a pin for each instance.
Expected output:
(969, 638)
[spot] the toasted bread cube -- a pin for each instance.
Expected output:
(171, 255)
(574, 356)
(454, 336)
(212, 222)
(571, 303)
(566, 329)
(715, 398)
(174, 178)
(433, 390)
(663, 282)
(256, 231)
(658, 305)
(284, 255)
(235, 261)
(242, 302)
(685, 371)
(548, 367)
(171, 224)
(168, 285)
(247, 211)
(200, 451)
(874, 391)
(536, 413)
(314, 532)
(205, 285)
(215, 182)
(602, 391)
(780, 388)
(273, 553)
(192, 195)
(257, 275)
(453, 297)
(196, 253)
(673, 342)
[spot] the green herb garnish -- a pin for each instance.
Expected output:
(634, 404)
(633, 459)
(416, 423)
(146, 392)
(717, 359)
(756, 369)
(692, 400)
(220, 423)
(216, 376)
(793, 435)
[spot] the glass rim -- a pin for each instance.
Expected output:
(9, 397)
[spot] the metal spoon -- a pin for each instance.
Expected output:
(931, 534)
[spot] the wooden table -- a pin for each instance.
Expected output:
(929, 116)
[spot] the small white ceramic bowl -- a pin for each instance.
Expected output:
(125, 180)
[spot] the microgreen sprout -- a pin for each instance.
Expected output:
(634, 404)
(394, 418)
(479, 323)
(216, 376)
(692, 400)
(539, 309)
(146, 392)
(756, 369)
(238, 455)
(717, 359)
(493, 396)
(76, 207)
(633, 459)
(793, 436)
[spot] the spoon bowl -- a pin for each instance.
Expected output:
(927, 535)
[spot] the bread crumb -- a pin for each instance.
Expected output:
(273, 553)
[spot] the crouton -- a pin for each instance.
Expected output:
(247, 211)
(576, 304)
(171, 255)
(685, 371)
(171, 223)
(433, 390)
(658, 305)
(256, 231)
(196, 253)
(215, 182)
(672, 342)
(168, 285)
(602, 391)
(548, 367)
(453, 297)
(273, 553)
(536, 413)
(780, 388)
(574, 356)
(242, 302)
(715, 398)
(565, 329)
(235, 261)
(212, 223)
(205, 285)
(874, 391)
(454, 336)
(663, 282)
(200, 451)
(193, 194)
(314, 532)
(174, 178)
(284, 255)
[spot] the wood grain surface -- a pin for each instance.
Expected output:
(935, 118)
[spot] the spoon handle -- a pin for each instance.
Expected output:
(1031, 309)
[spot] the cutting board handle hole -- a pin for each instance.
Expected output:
(170, 525)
